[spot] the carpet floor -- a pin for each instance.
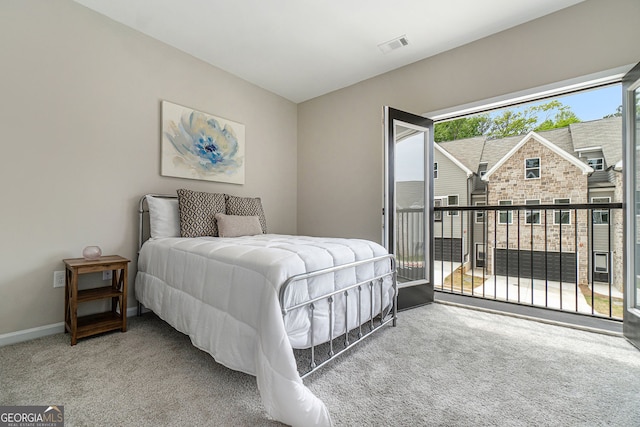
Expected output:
(441, 366)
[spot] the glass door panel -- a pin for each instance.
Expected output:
(631, 165)
(408, 203)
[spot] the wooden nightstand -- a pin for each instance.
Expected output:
(85, 326)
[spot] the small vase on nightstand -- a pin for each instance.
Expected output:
(92, 252)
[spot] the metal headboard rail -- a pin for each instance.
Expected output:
(142, 211)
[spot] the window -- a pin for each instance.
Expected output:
(601, 262)
(596, 164)
(480, 214)
(601, 200)
(563, 216)
(482, 169)
(437, 216)
(532, 168)
(435, 170)
(532, 217)
(505, 217)
(600, 216)
(479, 255)
(452, 201)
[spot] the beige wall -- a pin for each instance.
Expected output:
(340, 150)
(80, 138)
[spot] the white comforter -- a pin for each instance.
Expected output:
(223, 293)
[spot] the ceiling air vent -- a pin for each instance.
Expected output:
(394, 44)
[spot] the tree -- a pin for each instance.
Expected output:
(537, 118)
(466, 127)
(618, 113)
(510, 122)
(563, 117)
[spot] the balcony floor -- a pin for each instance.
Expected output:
(573, 320)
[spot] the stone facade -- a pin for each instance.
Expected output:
(559, 178)
(617, 216)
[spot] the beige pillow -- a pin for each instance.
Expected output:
(237, 225)
(197, 211)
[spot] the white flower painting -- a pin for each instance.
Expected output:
(197, 145)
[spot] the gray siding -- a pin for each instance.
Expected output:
(451, 181)
(601, 232)
(478, 229)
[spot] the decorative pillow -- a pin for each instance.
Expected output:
(247, 206)
(164, 217)
(197, 212)
(237, 225)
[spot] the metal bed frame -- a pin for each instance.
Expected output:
(351, 337)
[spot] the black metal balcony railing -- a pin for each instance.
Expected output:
(562, 257)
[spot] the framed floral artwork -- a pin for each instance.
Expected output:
(197, 145)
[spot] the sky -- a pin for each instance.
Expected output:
(588, 105)
(593, 104)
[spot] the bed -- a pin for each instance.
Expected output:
(250, 299)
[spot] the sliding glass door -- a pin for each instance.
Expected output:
(408, 206)
(631, 129)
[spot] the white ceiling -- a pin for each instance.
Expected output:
(301, 49)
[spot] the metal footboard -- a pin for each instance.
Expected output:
(364, 329)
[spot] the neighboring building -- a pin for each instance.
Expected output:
(536, 171)
(580, 163)
(451, 188)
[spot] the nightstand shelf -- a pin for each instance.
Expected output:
(97, 323)
(116, 318)
(97, 294)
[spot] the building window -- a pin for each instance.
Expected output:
(435, 170)
(601, 262)
(505, 217)
(437, 216)
(532, 217)
(600, 216)
(562, 216)
(479, 255)
(596, 164)
(452, 201)
(532, 168)
(480, 214)
(482, 169)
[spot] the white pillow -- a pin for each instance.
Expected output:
(164, 217)
(237, 225)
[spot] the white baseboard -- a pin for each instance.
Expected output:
(43, 331)
(31, 334)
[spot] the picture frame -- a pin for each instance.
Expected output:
(198, 145)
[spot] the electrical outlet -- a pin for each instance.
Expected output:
(106, 275)
(58, 279)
